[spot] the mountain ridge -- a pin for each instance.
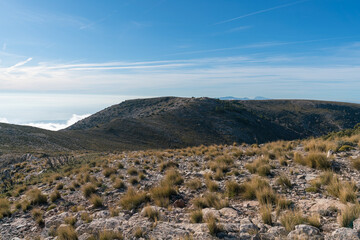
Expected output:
(173, 122)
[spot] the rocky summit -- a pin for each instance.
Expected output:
(301, 189)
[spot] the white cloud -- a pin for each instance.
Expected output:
(4, 47)
(3, 120)
(19, 64)
(58, 126)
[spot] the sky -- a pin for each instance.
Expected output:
(63, 60)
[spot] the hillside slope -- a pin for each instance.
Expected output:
(178, 122)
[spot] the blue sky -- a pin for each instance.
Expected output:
(81, 56)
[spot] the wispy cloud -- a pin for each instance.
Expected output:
(257, 45)
(261, 11)
(4, 47)
(58, 126)
(299, 75)
(19, 64)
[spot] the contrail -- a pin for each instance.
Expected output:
(261, 11)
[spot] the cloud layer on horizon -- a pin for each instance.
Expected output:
(58, 126)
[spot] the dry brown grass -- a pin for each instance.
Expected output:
(151, 213)
(196, 216)
(265, 212)
(132, 199)
(4, 208)
(36, 197)
(348, 215)
(210, 200)
(260, 166)
(291, 218)
(162, 193)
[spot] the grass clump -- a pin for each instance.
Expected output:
(212, 186)
(233, 189)
(248, 189)
(109, 171)
(265, 212)
(66, 233)
(110, 235)
(266, 196)
(283, 181)
(210, 200)
(4, 208)
(196, 216)
(36, 197)
(212, 225)
(119, 184)
(356, 163)
(260, 166)
(132, 199)
(194, 184)
(132, 171)
(345, 191)
(71, 220)
(317, 160)
(37, 214)
(151, 213)
(173, 177)
(88, 190)
(96, 201)
(162, 193)
(55, 195)
(166, 165)
(348, 215)
(291, 218)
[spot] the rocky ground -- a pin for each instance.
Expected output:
(280, 190)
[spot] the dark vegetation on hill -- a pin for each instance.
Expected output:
(178, 122)
(171, 122)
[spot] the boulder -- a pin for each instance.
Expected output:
(345, 233)
(305, 232)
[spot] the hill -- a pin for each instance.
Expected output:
(171, 122)
(179, 122)
(279, 190)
